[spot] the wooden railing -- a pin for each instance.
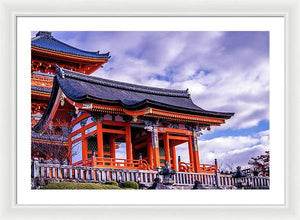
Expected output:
(203, 168)
(185, 167)
(115, 163)
(217, 180)
(91, 174)
(208, 168)
(252, 181)
(97, 174)
(183, 178)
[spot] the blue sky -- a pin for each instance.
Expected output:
(224, 71)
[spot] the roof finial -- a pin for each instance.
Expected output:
(46, 34)
(187, 91)
(59, 71)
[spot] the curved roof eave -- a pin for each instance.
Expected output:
(45, 40)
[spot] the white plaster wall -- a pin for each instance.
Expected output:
(76, 152)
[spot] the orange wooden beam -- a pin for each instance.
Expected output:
(115, 123)
(113, 131)
(80, 118)
(178, 138)
(139, 139)
(140, 145)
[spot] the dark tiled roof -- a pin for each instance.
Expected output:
(51, 137)
(45, 40)
(41, 89)
(83, 88)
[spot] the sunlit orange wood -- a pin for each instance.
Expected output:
(191, 150)
(174, 158)
(178, 138)
(113, 131)
(196, 153)
(84, 148)
(112, 144)
(80, 118)
(197, 162)
(167, 147)
(99, 138)
(70, 153)
(149, 151)
(128, 141)
(115, 123)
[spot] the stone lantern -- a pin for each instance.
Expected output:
(238, 175)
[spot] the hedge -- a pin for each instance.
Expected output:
(70, 185)
(130, 184)
(113, 183)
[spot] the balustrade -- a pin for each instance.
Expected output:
(102, 174)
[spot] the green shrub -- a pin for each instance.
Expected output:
(130, 184)
(69, 185)
(112, 183)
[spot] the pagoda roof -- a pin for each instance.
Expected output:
(82, 88)
(45, 40)
(48, 138)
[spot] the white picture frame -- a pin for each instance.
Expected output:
(12, 9)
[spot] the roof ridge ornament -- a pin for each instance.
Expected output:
(59, 71)
(45, 34)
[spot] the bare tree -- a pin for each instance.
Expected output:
(53, 145)
(230, 167)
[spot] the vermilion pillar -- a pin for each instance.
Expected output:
(128, 141)
(112, 144)
(150, 151)
(84, 146)
(155, 146)
(100, 138)
(167, 148)
(195, 152)
(70, 152)
(191, 154)
(174, 157)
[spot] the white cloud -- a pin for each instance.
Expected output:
(224, 71)
(230, 151)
